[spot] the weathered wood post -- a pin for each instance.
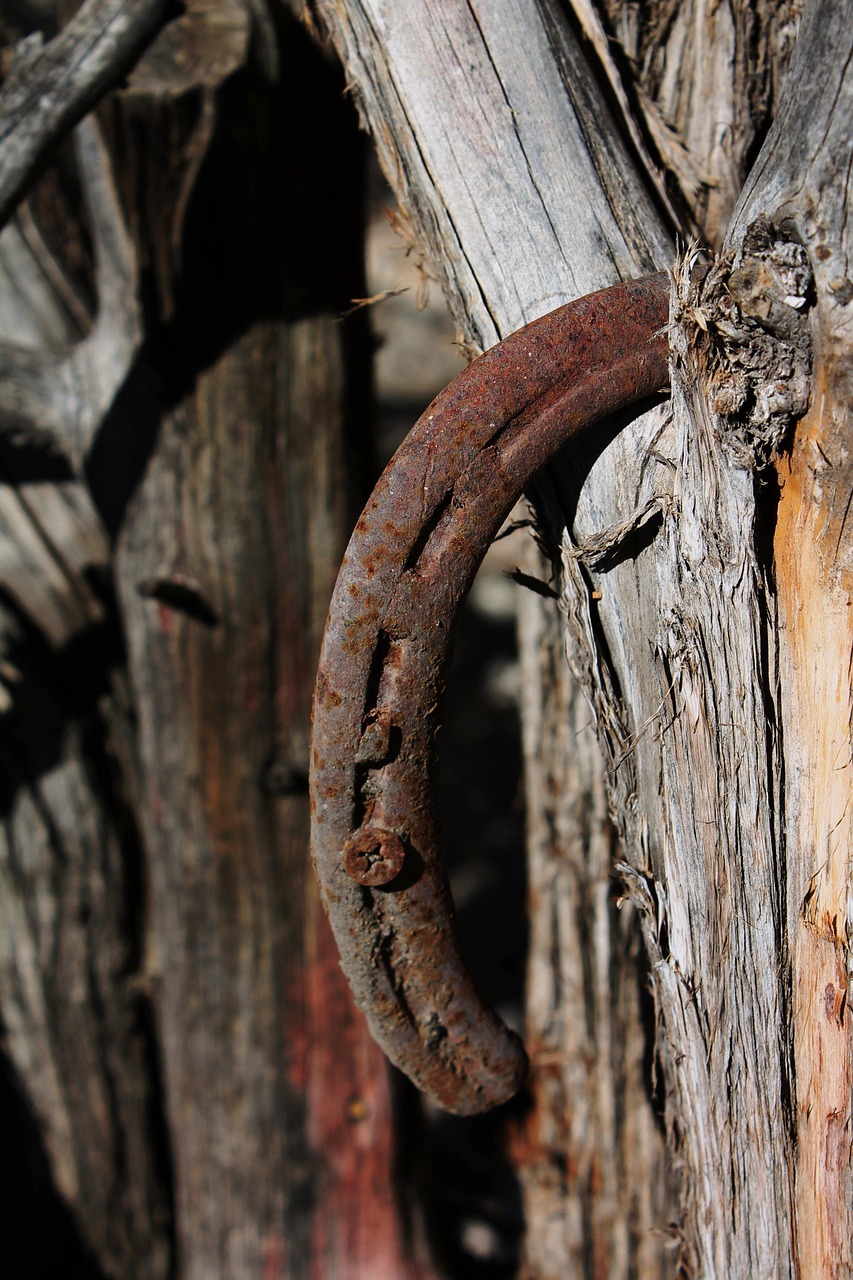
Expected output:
(701, 559)
(186, 428)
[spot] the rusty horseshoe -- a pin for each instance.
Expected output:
(386, 650)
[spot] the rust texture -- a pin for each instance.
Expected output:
(388, 640)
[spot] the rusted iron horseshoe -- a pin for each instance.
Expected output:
(407, 570)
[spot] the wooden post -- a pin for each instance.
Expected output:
(210, 1100)
(679, 591)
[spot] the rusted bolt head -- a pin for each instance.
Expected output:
(374, 856)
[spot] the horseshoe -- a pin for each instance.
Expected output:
(384, 661)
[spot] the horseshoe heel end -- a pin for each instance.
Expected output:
(467, 1063)
(392, 917)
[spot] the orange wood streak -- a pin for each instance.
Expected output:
(816, 646)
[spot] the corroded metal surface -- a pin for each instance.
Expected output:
(408, 568)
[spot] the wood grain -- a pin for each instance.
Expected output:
(50, 86)
(252, 404)
(513, 117)
(802, 180)
(671, 626)
(177, 472)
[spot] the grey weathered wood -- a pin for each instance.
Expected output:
(49, 87)
(248, 198)
(707, 84)
(482, 122)
(481, 119)
(592, 1141)
(209, 1099)
(275, 1095)
(73, 1013)
(675, 636)
(73, 1019)
(59, 394)
(802, 182)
